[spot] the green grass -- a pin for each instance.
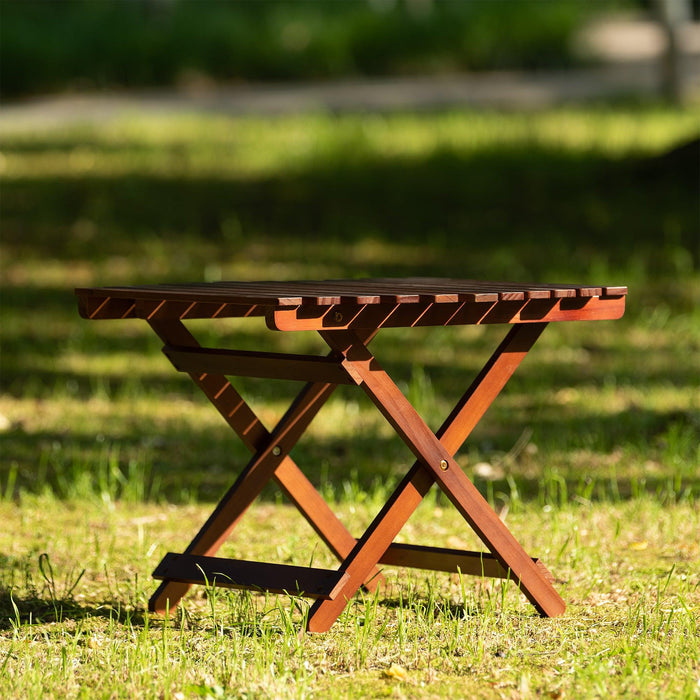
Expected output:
(110, 458)
(628, 570)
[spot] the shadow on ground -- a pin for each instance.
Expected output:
(516, 213)
(18, 611)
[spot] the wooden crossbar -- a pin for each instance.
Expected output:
(264, 365)
(450, 560)
(260, 576)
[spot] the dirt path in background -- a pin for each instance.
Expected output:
(629, 51)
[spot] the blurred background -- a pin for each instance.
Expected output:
(342, 168)
(79, 45)
(149, 141)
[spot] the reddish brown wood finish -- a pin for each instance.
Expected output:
(442, 559)
(431, 450)
(266, 365)
(534, 310)
(348, 313)
(256, 438)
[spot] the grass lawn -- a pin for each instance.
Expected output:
(109, 458)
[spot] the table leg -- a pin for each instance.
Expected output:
(432, 451)
(255, 436)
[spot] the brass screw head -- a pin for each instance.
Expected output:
(276, 450)
(444, 465)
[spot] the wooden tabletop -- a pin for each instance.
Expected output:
(361, 291)
(219, 299)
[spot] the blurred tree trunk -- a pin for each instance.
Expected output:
(672, 14)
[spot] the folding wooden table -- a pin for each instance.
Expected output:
(347, 314)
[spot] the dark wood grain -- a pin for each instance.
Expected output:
(219, 299)
(443, 559)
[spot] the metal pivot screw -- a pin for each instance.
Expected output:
(444, 465)
(276, 450)
(338, 316)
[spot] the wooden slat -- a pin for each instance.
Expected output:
(414, 290)
(614, 291)
(268, 365)
(238, 573)
(512, 291)
(154, 309)
(96, 307)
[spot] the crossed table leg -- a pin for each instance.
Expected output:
(270, 460)
(359, 559)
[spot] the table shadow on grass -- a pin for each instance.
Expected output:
(516, 212)
(34, 609)
(29, 610)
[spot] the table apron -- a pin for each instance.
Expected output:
(353, 317)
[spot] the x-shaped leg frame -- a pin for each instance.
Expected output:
(434, 454)
(434, 463)
(271, 460)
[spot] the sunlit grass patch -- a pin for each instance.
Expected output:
(626, 569)
(257, 145)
